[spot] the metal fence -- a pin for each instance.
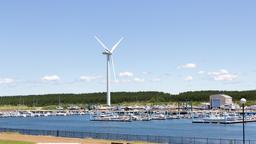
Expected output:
(128, 137)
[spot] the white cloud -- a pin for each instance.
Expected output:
(89, 78)
(129, 80)
(188, 66)
(121, 81)
(201, 72)
(223, 75)
(155, 79)
(188, 78)
(115, 81)
(126, 74)
(139, 80)
(6, 80)
(50, 78)
(146, 73)
(226, 77)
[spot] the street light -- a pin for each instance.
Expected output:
(243, 101)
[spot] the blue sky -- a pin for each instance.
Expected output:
(48, 46)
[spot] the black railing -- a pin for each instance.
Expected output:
(128, 137)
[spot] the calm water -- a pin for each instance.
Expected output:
(163, 128)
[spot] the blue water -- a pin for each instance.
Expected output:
(161, 128)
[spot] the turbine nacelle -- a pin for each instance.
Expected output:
(106, 53)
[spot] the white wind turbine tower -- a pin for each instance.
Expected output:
(109, 56)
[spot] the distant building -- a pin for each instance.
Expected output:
(220, 100)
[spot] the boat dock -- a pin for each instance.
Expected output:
(40, 113)
(223, 122)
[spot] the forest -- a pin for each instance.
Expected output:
(121, 97)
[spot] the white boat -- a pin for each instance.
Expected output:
(61, 114)
(158, 117)
(110, 117)
(214, 119)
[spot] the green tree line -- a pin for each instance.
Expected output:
(121, 97)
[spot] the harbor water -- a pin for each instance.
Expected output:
(176, 127)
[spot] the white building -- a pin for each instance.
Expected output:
(220, 100)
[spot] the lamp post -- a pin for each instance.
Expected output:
(243, 101)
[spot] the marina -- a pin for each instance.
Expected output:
(141, 113)
(41, 113)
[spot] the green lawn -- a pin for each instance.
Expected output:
(19, 107)
(14, 142)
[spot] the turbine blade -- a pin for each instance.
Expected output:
(102, 44)
(114, 47)
(113, 68)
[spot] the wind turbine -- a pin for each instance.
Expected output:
(110, 62)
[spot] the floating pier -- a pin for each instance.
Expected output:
(223, 122)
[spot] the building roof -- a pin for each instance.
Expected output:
(221, 95)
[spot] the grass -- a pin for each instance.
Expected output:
(53, 107)
(49, 107)
(144, 103)
(248, 103)
(12, 139)
(18, 107)
(20, 142)
(14, 142)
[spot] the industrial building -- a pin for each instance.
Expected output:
(220, 100)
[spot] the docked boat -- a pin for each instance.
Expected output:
(110, 117)
(158, 117)
(214, 119)
(218, 118)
